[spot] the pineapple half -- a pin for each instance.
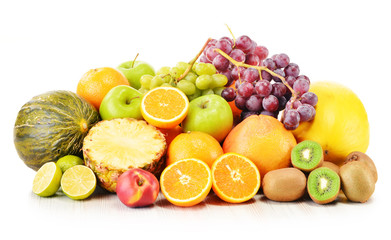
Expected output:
(114, 146)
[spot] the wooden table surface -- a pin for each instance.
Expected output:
(103, 215)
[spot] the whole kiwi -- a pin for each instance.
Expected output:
(362, 157)
(284, 185)
(330, 165)
(358, 183)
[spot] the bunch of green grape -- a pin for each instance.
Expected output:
(201, 80)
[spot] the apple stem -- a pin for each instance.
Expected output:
(134, 60)
(259, 68)
(140, 181)
(204, 104)
(128, 101)
(191, 63)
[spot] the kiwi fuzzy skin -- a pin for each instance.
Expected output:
(362, 157)
(331, 165)
(284, 185)
(325, 201)
(358, 183)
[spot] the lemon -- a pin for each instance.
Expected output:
(69, 161)
(78, 182)
(47, 180)
(341, 123)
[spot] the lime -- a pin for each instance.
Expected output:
(47, 180)
(78, 182)
(69, 161)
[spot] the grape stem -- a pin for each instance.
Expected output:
(191, 63)
(233, 37)
(259, 68)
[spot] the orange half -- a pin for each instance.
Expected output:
(235, 178)
(186, 182)
(164, 107)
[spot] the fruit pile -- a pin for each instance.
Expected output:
(137, 132)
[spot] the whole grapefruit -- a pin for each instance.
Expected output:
(264, 140)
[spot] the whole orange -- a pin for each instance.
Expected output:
(195, 144)
(171, 133)
(264, 140)
(96, 83)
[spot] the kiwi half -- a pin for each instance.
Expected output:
(307, 155)
(323, 185)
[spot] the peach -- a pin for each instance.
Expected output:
(137, 188)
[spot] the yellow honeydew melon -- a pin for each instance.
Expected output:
(341, 124)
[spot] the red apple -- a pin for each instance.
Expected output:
(137, 188)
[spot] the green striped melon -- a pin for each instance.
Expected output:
(52, 125)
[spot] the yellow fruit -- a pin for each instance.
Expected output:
(114, 146)
(340, 125)
(78, 182)
(69, 161)
(47, 180)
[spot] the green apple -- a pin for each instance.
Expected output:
(210, 114)
(133, 70)
(121, 102)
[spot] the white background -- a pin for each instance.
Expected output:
(48, 45)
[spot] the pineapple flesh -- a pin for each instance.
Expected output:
(115, 146)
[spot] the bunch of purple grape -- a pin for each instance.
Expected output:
(268, 96)
(242, 50)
